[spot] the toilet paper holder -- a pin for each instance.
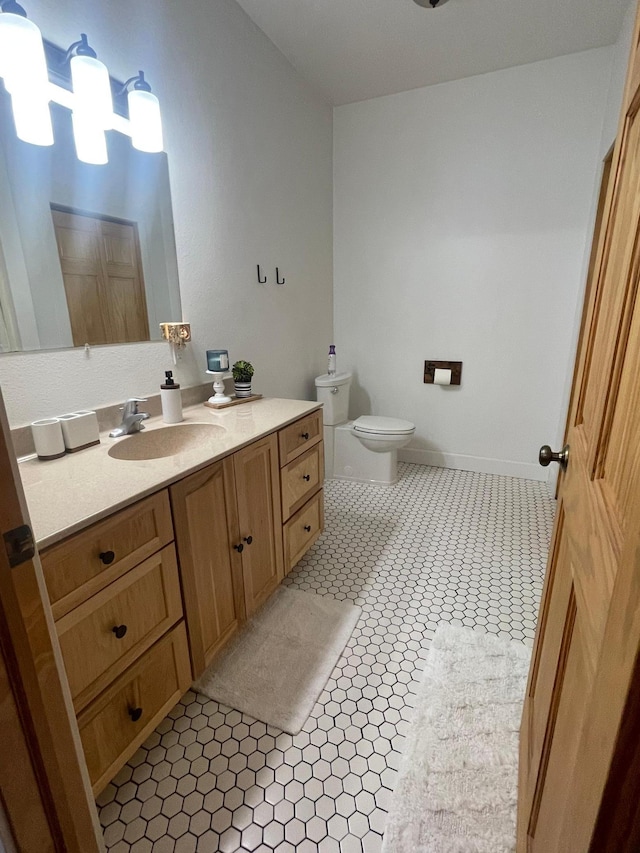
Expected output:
(430, 368)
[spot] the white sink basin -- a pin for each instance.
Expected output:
(164, 441)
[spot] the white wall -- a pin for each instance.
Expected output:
(249, 148)
(460, 218)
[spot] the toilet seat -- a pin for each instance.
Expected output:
(374, 425)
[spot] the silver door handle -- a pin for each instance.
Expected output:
(547, 456)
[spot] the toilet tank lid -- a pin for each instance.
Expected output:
(383, 426)
(329, 380)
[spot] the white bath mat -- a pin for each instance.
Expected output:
(457, 789)
(275, 669)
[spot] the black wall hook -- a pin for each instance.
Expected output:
(278, 277)
(261, 280)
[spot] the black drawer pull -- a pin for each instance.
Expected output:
(135, 714)
(307, 527)
(119, 631)
(107, 557)
(248, 539)
(239, 548)
(306, 477)
(305, 435)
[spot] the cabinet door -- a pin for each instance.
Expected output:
(258, 494)
(206, 528)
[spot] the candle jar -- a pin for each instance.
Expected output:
(218, 360)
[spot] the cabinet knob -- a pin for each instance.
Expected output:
(307, 527)
(305, 435)
(306, 477)
(248, 539)
(119, 631)
(239, 548)
(107, 557)
(135, 714)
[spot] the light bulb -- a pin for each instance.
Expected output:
(91, 144)
(145, 121)
(22, 61)
(92, 90)
(24, 69)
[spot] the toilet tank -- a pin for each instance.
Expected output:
(333, 391)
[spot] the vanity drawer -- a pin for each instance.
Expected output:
(89, 561)
(119, 720)
(141, 605)
(299, 436)
(301, 531)
(301, 478)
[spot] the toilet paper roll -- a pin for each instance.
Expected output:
(47, 438)
(441, 376)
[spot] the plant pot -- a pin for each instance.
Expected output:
(243, 389)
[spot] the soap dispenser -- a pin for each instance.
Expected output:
(171, 400)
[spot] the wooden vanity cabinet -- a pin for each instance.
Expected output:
(226, 520)
(136, 625)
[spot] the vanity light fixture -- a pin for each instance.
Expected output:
(144, 115)
(24, 69)
(36, 72)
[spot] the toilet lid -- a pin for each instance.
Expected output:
(383, 426)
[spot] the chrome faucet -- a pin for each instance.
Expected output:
(131, 418)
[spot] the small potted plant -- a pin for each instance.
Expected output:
(242, 373)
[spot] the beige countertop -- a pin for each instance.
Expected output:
(65, 495)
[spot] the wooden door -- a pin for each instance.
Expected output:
(44, 786)
(580, 738)
(102, 274)
(206, 525)
(257, 476)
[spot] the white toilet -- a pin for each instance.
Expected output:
(365, 449)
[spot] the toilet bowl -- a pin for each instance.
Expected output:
(383, 434)
(365, 449)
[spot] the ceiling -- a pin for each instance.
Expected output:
(351, 50)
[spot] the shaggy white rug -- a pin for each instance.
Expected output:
(457, 789)
(276, 668)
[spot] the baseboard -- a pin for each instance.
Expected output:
(480, 464)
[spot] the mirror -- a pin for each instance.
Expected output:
(87, 253)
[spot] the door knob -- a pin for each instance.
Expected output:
(546, 456)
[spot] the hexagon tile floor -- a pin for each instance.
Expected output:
(441, 544)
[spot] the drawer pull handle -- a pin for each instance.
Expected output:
(307, 527)
(107, 557)
(306, 477)
(239, 548)
(119, 631)
(135, 714)
(305, 435)
(248, 539)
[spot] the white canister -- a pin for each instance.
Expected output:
(80, 430)
(48, 438)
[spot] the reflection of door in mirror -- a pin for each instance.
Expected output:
(102, 275)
